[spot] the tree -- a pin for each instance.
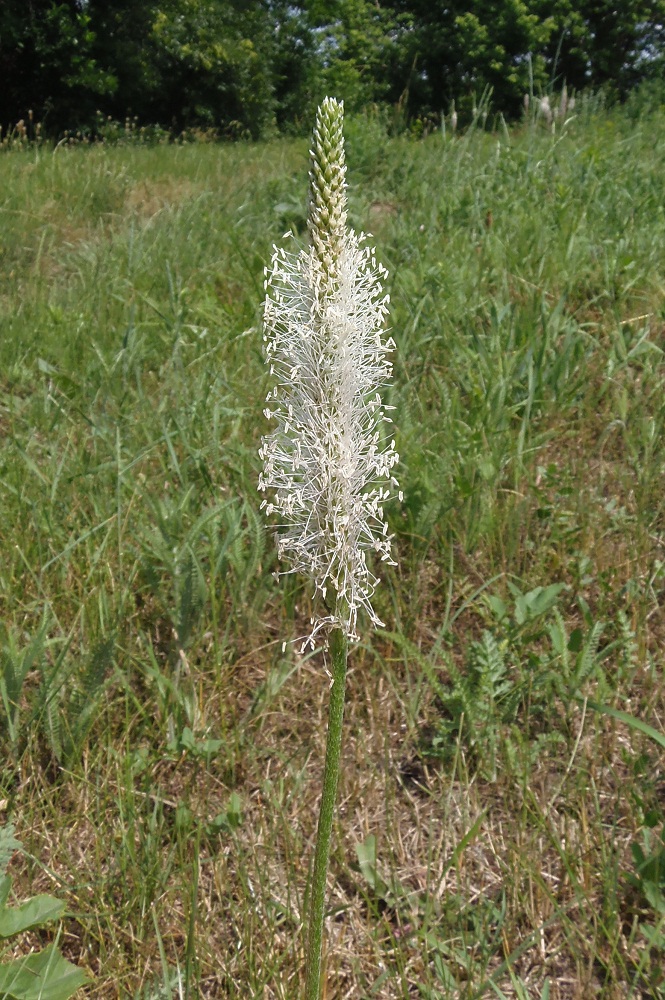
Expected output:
(242, 67)
(123, 42)
(356, 45)
(345, 48)
(600, 43)
(47, 64)
(457, 47)
(293, 63)
(211, 58)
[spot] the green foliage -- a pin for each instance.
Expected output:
(496, 686)
(645, 884)
(526, 297)
(43, 975)
(211, 68)
(647, 887)
(518, 47)
(455, 937)
(598, 44)
(649, 877)
(61, 703)
(356, 42)
(16, 666)
(72, 700)
(513, 698)
(237, 69)
(49, 67)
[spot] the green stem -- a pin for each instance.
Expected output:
(338, 653)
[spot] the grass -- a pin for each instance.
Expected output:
(497, 833)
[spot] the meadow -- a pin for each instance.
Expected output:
(501, 822)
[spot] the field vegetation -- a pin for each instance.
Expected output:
(502, 802)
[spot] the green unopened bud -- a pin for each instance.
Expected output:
(327, 188)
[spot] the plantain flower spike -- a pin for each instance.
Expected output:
(328, 461)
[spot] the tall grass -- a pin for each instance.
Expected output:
(160, 744)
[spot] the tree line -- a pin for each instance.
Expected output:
(252, 67)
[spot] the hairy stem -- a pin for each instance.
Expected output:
(338, 652)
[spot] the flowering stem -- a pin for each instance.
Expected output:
(338, 652)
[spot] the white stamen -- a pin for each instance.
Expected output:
(325, 462)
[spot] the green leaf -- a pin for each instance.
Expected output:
(465, 841)
(390, 892)
(228, 820)
(576, 640)
(8, 844)
(36, 911)
(497, 606)
(537, 602)
(234, 810)
(366, 854)
(654, 896)
(631, 721)
(43, 976)
(187, 740)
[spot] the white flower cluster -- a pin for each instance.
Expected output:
(327, 466)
